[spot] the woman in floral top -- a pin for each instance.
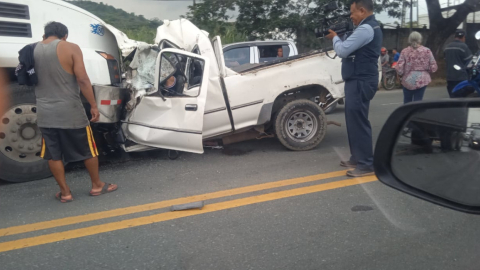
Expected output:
(415, 65)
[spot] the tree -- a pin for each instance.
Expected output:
(136, 27)
(296, 19)
(273, 19)
(442, 28)
(281, 19)
(211, 15)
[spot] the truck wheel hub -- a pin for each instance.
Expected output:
(20, 137)
(28, 132)
(301, 125)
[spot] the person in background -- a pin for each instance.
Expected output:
(415, 65)
(457, 53)
(385, 59)
(61, 117)
(396, 55)
(359, 52)
(280, 52)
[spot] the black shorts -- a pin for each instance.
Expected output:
(69, 145)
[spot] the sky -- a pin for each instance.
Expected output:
(173, 9)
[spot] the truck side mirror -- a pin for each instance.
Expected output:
(430, 150)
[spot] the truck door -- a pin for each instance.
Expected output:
(217, 46)
(171, 116)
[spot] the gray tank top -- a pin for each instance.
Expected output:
(58, 96)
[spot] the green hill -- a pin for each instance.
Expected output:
(136, 27)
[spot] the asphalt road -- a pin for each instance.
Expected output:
(266, 208)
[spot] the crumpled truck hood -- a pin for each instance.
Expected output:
(125, 44)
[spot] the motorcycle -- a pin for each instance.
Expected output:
(471, 87)
(389, 79)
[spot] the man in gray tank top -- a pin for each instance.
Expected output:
(61, 117)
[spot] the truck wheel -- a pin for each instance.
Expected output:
(20, 138)
(458, 141)
(450, 141)
(300, 125)
(445, 141)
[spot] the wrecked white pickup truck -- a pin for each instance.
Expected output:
(195, 97)
(178, 93)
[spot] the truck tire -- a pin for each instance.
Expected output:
(445, 141)
(20, 138)
(458, 141)
(300, 125)
(450, 141)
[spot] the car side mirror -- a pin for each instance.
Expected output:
(477, 35)
(431, 150)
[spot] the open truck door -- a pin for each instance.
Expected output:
(171, 117)
(217, 46)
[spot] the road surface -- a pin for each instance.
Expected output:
(265, 208)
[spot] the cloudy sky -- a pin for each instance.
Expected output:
(172, 9)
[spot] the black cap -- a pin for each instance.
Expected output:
(459, 34)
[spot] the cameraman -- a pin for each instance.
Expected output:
(360, 52)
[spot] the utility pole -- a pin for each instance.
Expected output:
(411, 15)
(448, 10)
(402, 20)
(418, 19)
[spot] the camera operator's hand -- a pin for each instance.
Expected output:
(331, 35)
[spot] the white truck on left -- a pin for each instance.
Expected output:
(176, 93)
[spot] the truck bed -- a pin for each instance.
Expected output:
(454, 118)
(245, 68)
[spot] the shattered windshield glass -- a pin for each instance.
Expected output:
(144, 63)
(166, 66)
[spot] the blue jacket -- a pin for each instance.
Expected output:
(362, 64)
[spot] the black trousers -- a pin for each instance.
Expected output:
(450, 86)
(359, 129)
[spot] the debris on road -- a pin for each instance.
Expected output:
(334, 123)
(188, 206)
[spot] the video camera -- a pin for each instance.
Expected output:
(336, 16)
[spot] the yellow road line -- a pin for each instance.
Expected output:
(162, 204)
(129, 223)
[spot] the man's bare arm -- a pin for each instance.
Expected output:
(83, 81)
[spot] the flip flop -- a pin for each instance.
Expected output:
(58, 196)
(104, 190)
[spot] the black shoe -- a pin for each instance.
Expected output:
(359, 173)
(348, 164)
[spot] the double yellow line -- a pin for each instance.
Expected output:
(134, 222)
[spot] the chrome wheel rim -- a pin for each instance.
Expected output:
(20, 137)
(301, 126)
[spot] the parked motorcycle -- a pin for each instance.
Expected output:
(389, 78)
(471, 87)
